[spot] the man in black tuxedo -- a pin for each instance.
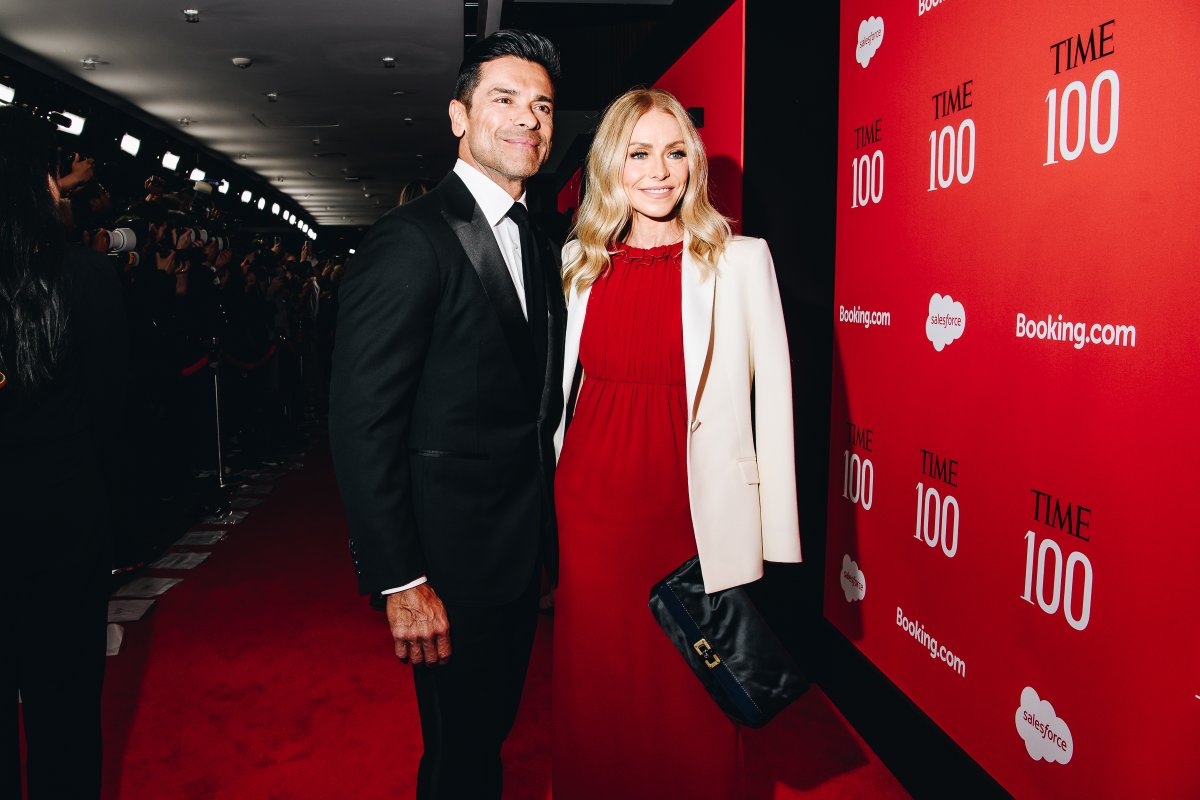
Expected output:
(445, 394)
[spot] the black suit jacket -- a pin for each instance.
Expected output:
(443, 404)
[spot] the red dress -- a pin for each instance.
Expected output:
(630, 719)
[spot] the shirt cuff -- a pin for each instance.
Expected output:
(406, 586)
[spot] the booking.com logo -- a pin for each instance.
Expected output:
(1077, 333)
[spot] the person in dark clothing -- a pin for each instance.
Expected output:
(63, 353)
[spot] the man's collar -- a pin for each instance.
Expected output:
(493, 201)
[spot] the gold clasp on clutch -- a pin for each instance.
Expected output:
(705, 651)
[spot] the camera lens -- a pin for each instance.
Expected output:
(121, 240)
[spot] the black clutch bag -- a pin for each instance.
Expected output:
(728, 644)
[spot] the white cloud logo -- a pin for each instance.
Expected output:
(946, 321)
(870, 36)
(854, 582)
(1046, 736)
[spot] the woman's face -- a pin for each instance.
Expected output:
(655, 174)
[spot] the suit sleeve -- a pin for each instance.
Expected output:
(387, 304)
(772, 409)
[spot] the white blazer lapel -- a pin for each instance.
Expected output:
(576, 311)
(698, 295)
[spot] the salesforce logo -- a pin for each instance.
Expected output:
(946, 321)
(1046, 735)
(870, 37)
(854, 582)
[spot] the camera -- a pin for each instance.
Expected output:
(122, 240)
(129, 234)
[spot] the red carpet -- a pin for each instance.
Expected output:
(264, 676)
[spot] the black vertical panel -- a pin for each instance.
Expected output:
(789, 183)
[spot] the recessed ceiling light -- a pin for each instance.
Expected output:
(274, 208)
(351, 249)
(191, 14)
(399, 92)
(273, 97)
(408, 120)
(389, 62)
(243, 156)
(170, 160)
(247, 196)
(185, 121)
(90, 62)
(130, 144)
(262, 203)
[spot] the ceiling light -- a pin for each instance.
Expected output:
(273, 97)
(274, 208)
(292, 219)
(351, 251)
(246, 196)
(191, 14)
(243, 156)
(313, 236)
(7, 93)
(197, 174)
(408, 120)
(262, 203)
(224, 187)
(170, 160)
(90, 62)
(185, 121)
(75, 125)
(389, 62)
(130, 144)
(283, 213)
(399, 92)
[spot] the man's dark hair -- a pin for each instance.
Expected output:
(519, 44)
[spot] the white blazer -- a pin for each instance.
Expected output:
(743, 501)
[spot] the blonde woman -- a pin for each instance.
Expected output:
(672, 322)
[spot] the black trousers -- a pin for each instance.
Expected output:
(56, 663)
(468, 706)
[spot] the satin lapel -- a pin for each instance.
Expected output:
(551, 353)
(539, 313)
(698, 295)
(479, 242)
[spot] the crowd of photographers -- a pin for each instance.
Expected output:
(203, 296)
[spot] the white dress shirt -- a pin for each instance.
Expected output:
(494, 202)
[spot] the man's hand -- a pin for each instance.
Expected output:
(420, 628)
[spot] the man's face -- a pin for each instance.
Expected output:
(506, 132)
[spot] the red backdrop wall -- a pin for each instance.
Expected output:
(710, 75)
(1015, 381)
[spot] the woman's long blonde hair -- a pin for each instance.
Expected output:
(605, 215)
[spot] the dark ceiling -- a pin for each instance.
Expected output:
(343, 131)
